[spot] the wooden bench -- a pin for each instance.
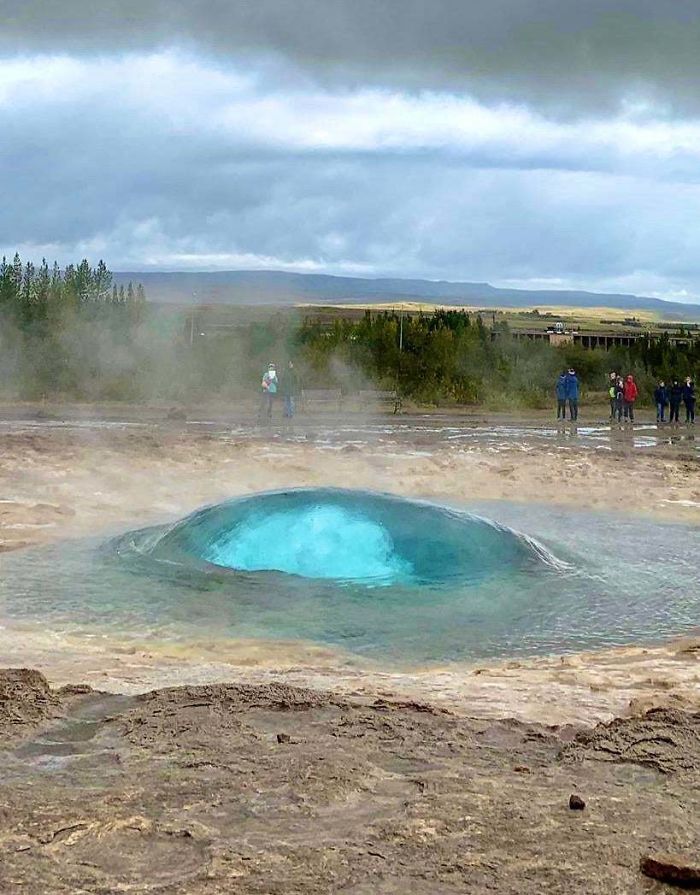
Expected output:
(322, 397)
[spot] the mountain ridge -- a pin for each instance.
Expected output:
(271, 287)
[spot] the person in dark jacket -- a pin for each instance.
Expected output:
(629, 396)
(572, 393)
(561, 396)
(689, 400)
(675, 394)
(290, 390)
(661, 400)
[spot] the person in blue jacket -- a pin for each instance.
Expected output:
(661, 400)
(572, 393)
(561, 396)
(689, 400)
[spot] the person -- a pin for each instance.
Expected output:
(612, 384)
(619, 397)
(290, 390)
(689, 400)
(661, 400)
(561, 396)
(629, 396)
(572, 393)
(675, 395)
(269, 389)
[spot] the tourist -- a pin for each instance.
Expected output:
(661, 400)
(290, 390)
(611, 393)
(619, 397)
(561, 395)
(629, 396)
(675, 395)
(269, 389)
(689, 400)
(572, 393)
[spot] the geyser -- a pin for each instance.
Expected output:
(346, 536)
(403, 582)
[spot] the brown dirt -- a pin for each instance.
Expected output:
(276, 789)
(26, 700)
(664, 739)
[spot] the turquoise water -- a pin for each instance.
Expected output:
(349, 537)
(314, 542)
(403, 582)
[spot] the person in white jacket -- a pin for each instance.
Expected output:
(270, 384)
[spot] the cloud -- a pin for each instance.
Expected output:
(175, 96)
(250, 150)
(565, 55)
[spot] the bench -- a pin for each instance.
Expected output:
(328, 397)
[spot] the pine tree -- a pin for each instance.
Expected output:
(27, 303)
(43, 290)
(7, 290)
(102, 280)
(84, 282)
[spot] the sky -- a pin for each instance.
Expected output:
(526, 143)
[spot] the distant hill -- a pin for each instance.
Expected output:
(269, 287)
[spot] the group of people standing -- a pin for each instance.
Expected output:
(623, 393)
(672, 398)
(285, 384)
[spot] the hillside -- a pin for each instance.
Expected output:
(243, 287)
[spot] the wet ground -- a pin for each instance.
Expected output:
(416, 433)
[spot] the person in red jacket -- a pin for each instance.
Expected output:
(629, 396)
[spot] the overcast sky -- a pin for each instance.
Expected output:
(532, 143)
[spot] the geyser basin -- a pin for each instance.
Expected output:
(403, 582)
(345, 536)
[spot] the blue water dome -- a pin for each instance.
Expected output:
(347, 536)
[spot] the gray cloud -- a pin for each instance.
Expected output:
(567, 55)
(289, 135)
(143, 199)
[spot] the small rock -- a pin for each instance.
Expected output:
(576, 803)
(283, 738)
(678, 870)
(521, 769)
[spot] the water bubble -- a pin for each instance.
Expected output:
(345, 536)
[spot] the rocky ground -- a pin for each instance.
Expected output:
(277, 789)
